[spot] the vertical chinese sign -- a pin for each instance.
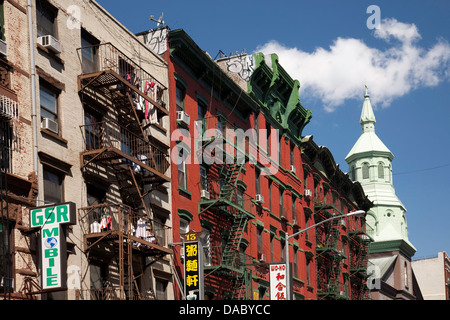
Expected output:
(277, 277)
(193, 266)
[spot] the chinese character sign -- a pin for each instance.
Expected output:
(277, 274)
(191, 265)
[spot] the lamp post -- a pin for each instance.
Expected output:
(358, 213)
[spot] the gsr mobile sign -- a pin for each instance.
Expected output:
(53, 253)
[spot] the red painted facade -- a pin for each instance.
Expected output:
(196, 82)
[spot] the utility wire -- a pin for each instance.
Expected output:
(421, 170)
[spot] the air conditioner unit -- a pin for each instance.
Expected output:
(49, 125)
(183, 117)
(259, 198)
(3, 48)
(204, 194)
(292, 168)
(308, 193)
(50, 43)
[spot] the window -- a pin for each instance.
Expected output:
(257, 181)
(259, 240)
(365, 170)
(184, 226)
(201, 110)
(283, 250)
(182, 178)
(295, 266)
(2, 21)
(45, 19)
(294, 209)
(280, 150)
(159, 225)
(306, 226)
(380, 171)
(281, 203)
(99, 280)
(256, 127)
(270, 195)
(161, 289)
(5, 145)
(48, 98)
(268, 138)
(292, 154)
(353, 173)
(180, 92)
(203, 178)
(308, 271)
(53, 186)
(204, 239)
(272, 236)
(92, 130)
(406, 274)
(5, 257)
(89, 53)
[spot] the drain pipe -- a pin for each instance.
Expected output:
(33, 95)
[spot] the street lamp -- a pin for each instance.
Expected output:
(358, 213)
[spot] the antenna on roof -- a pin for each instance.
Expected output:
(160, 21)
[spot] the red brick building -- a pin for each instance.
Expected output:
(244, 178)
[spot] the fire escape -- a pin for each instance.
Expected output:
(225, 203)
(117, 148)
(359, 242)
(329, 254)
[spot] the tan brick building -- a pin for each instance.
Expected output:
(89, 125)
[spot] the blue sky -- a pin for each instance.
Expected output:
(328, 46)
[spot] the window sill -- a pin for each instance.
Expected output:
(54, 136)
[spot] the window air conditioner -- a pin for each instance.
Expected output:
(183, 117)
(50, 43)
(3, 48)
(292, 168)
(259, 198)
(49, 125)
(308, 193)
(204, 194)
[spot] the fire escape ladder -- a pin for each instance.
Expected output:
(230, 255)
(241, 284)
(230, 173)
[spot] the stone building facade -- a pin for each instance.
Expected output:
(89, 130)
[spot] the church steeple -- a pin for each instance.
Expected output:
(370, 164)
(367, 120)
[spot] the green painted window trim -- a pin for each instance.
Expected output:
(201, 98)
(184, 213)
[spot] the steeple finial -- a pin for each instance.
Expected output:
(367, 120)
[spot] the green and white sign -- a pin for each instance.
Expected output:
(53, 253)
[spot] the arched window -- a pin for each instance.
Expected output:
(353, 173)
(365, 170)
(380, 170)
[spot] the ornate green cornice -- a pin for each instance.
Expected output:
(279, 94)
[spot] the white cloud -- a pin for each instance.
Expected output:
(341, 71)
